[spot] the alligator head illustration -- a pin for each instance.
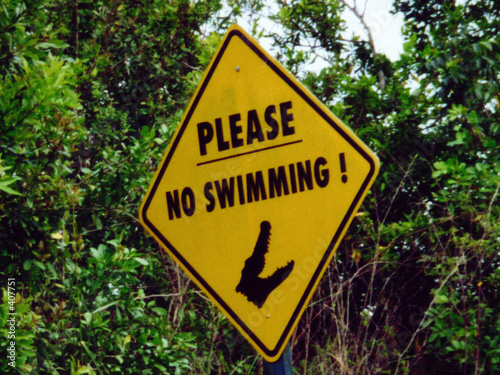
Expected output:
(257, 289)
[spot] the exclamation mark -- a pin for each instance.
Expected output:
(343, 169)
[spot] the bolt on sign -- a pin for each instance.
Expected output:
(255, 191)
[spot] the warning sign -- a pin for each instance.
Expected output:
(256, 190)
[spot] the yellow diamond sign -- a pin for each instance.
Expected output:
(256, 190)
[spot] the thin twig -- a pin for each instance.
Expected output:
(158, 295)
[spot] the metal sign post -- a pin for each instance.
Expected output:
(282, 366)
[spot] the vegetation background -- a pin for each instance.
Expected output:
(90, 93)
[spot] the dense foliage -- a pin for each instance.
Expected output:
(90, 93)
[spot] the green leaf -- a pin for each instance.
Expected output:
(7, 189)
(39, 265)
(440, 299)
(487, 44)
(83, 370)
(160, 311)
(142, 261)
(27, 264)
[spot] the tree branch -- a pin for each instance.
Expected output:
(361, 17)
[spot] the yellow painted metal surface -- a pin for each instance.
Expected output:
(255, 191)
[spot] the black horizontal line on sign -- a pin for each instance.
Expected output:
(249, 152)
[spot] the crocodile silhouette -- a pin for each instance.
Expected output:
(257, 289)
